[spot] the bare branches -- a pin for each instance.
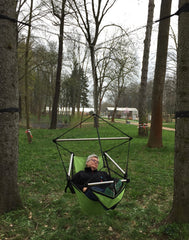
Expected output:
(89, 17)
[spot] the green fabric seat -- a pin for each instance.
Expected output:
(87, 205)
(104, 202)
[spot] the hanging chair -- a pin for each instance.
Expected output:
(77, 163)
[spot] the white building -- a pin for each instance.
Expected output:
(129, 113)
(64, 110)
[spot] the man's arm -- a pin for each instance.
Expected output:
(77, 180)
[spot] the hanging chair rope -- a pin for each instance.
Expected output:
(127, 162)
(99, 141)
(130, 138)
(108, 150)
(56, 139)
(62, 160)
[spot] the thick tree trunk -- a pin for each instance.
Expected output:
(143, 118)
(180, 209)
(9, 194)
(155, 138)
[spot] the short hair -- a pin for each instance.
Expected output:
(91, 156)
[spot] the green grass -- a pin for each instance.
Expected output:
(50, 213)
(169, 125)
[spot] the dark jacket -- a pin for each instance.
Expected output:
(81, 178)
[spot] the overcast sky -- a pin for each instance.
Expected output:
(132, 14)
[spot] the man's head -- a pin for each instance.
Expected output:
(92, 162)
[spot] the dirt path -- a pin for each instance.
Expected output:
(136, 124)
(164, 128)
(169, 129)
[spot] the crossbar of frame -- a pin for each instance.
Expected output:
(70, 165)
(105, 182)
(91, 139)
(115, 163)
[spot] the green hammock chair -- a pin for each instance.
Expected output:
(88, 205)
(77, 163)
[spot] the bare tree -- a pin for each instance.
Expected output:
(26, 75)
(61, 16)
(104, 74)
(169, 95)
(89, 16)
(44, 61)
(9, 194)
(180, 208)
(27, 13)
(116, 64)
(143, 130)
(124, 66)
(155, 138)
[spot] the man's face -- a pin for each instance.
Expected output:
(93, 163)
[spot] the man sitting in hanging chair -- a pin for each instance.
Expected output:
(90, 175)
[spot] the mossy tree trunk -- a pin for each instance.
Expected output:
(143, 118)
(180, 208)
(9, 116)
(155, 138)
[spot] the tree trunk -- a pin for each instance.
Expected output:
(59, 69)
(155, 138)
(115, 107)
(95, 79)
(9, 116)
(100, 105)
(20, 108)
(95, 85)
(143, 118)
(180, 208)
(27, 112)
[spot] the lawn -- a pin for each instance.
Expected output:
(169, 125)
(50, 213)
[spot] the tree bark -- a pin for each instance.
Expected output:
(9, 116)
(59, 69)
(95, 79)
(180, 208)
(155, 138)
(143, 118)
(27, 112)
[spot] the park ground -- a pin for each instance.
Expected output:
(50, 213)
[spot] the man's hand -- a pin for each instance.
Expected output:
(84, 189)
